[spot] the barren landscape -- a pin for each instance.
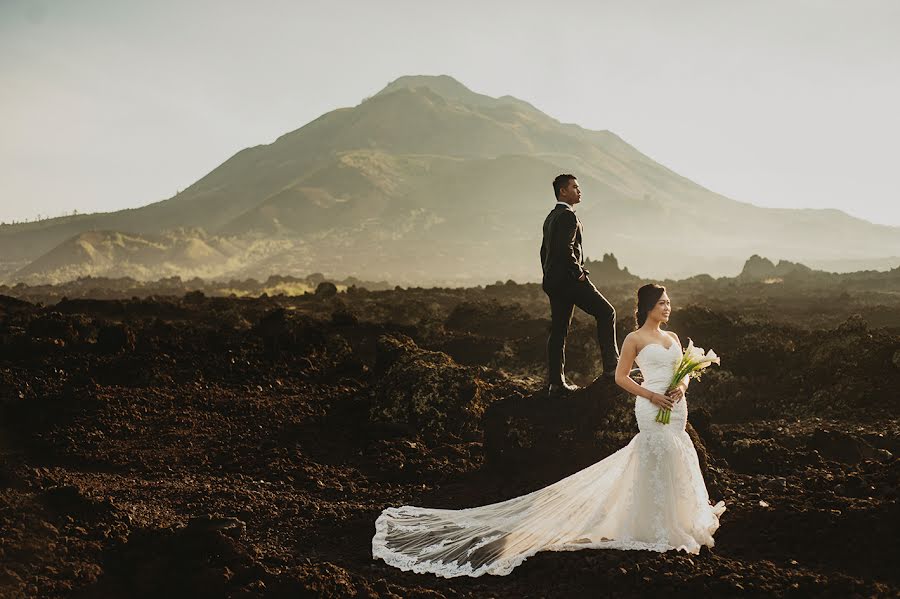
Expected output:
(163, 440)
(269, 270)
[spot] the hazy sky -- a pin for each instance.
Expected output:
(111, 104)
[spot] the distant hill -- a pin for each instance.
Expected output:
(143, 256)
(429, 182)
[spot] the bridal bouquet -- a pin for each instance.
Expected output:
(692, 364)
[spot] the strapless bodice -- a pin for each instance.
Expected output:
(657, 364)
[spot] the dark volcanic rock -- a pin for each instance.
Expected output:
(757, 456)
(841, 447)
(114, 338)
(292, 421)
(53, 326)
(13, 304)
(471, 350)
(523, 431)
(493, 319)
(198, 560)
(326, 289)
(276, 330)
(427, 390)
(568, 434)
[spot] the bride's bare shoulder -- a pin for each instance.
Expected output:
(674, 336)
(632, 339)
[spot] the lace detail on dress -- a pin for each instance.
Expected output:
(649, 495)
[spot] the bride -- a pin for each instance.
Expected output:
(649, 495)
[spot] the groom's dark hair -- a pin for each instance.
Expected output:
(560, 182)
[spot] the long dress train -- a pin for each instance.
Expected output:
(648, 495)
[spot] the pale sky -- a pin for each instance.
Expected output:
(109, 104)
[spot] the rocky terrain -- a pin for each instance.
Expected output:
(189, 444)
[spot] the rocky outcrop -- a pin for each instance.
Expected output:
(428, 392)
(534, 432)
(757, 268)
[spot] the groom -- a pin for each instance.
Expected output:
(567, 285)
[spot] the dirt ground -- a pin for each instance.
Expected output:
(206, 446)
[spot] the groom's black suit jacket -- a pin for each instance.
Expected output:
(561, 256)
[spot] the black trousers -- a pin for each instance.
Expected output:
(563, 299)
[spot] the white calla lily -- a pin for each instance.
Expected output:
(693, 361)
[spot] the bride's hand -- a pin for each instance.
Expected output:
(677, 394)
(663, 401)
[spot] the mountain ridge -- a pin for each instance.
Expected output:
(362, 188)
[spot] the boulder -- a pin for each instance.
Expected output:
(114, 338)
(326, 289)
(839, 446)
(428, 392)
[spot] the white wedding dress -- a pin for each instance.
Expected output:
(648, 495)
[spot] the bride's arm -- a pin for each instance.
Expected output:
(626, 359)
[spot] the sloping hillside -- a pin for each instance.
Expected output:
(429, 179)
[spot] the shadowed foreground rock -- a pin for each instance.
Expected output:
(521, 433)
(427, 392)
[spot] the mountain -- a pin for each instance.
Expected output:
(428, 182)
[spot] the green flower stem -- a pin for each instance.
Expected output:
(663, 416)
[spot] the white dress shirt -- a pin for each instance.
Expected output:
(566, 204)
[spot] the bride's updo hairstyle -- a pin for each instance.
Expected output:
(647, 296)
